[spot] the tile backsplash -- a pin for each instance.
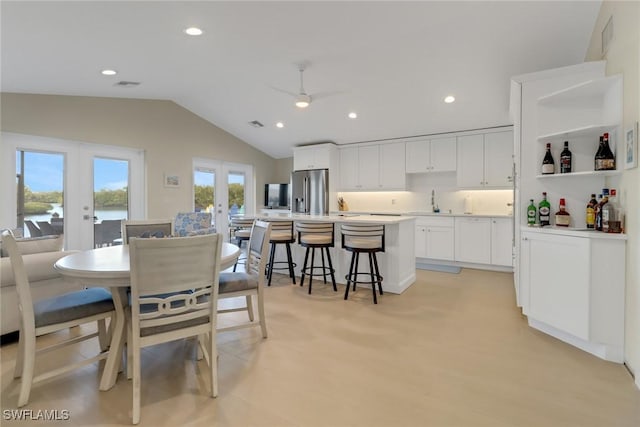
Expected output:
(418, 197)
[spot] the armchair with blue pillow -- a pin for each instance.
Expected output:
(193, 224)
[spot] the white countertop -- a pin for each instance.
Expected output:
(425, 213)
(576, 232)
(344, 217)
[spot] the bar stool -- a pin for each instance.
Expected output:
(367, 238)
(312, 235)
(281, 234)
(240, 231)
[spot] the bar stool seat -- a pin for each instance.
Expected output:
(363, 238)
(281, 234)
(312, 235)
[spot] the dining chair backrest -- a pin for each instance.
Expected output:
(174, 295)
(146, 228)
(108, 231)
(193, 223)
(258, 252)
(363, 235)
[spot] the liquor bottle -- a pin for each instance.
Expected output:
(610, 222)
(565, 159)
(602, 200)
(591, 212)
(531, 214)
(544, 210)
(548, 165)
(598, 158)
(609, 160)
(563, 219)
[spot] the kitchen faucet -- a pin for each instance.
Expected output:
(434, 207)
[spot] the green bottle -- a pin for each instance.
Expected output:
(531, 214)
(544, 209)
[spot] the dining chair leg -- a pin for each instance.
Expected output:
(129, 345)
(27, 368)
(375, 263)
(324, 269)
(213, 365)
(355, 272)
(249, 302)
(17, 372)
(103, 335)
(349, 278)
(136, 384)
(263, 319)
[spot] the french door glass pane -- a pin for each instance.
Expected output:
(110, 199)
(204, 190)
(236, 193)
(40, 182)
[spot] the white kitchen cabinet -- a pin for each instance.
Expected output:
(572, 287)
(485, 160)
(377, 167)
(435, 238)
(436, 155)
(313, 157)
(473, 240)
(502, 241)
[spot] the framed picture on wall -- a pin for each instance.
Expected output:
(631, 147)
(171, 180)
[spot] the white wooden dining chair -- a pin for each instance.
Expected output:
(174, 295)
(251, 281)
(146, 228)
(52, 315)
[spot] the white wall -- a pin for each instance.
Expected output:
(623, 57)
(170, 136)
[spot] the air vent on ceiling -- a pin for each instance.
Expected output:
(256, 124)
(124, 83)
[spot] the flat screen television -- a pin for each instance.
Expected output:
(276, 196)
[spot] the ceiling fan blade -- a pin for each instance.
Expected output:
(277, 89)
(328, 94)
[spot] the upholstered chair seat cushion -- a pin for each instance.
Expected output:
(73, 305)
(237, 281)
(243, 234)
(362, 243)
(279, 236)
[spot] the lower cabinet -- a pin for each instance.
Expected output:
(572, 287)
(502, 241)
(435, 238)
(473, 240)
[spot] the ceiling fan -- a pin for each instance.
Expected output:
(302, 99)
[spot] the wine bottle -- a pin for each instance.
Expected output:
(563, 219)
(531, 214)
(608, 159)
(548, 165)
(598, 158)
(591, 212)
(608, 213)
(614, 216)
(544, 210)
(602, 199)
(565, 159)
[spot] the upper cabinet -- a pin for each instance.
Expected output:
(377, 167)
(485, 160)
(435, 155)
(313, 156)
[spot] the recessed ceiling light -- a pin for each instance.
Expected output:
(280, 125)
(108, 72)
(353, 115)
(449, 99)
(193, 31)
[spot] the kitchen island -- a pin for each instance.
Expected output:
(397, 263)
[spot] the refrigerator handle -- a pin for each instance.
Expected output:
(306, 195)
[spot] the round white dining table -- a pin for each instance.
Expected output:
(109, 267)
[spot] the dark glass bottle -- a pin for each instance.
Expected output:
(565, 159)
(608, 159)
(598, 157)
(591, 212)
(548, 165)
(544, 211)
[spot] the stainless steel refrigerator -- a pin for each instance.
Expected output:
(310, 192)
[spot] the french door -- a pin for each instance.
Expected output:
(72, 186)
(224, 189)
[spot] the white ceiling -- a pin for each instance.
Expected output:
(391, 62)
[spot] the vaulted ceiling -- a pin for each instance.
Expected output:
(390, 62)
